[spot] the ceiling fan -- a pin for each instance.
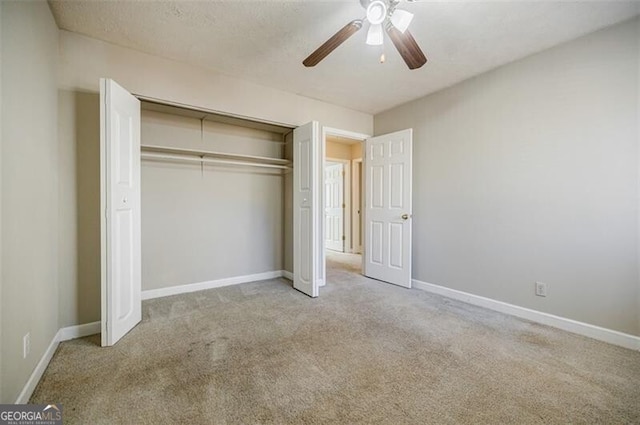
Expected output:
(382, 15)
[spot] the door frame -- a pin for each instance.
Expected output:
(346, 199)
(331, 131)
(357, 183)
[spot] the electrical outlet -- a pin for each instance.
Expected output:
(26, 345)
(541, 289)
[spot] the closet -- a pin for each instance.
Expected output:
(215, 198)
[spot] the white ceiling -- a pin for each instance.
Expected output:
(266, 41)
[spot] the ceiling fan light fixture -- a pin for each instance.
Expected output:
(375, 35)
(383, 17)
(376, 12)
(401, 19)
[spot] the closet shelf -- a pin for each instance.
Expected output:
(161, 152)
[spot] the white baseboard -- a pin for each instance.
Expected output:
(37, 373)
(287, 274)
(596, 332)
(79, 331)
(200, 286)
(63, 334)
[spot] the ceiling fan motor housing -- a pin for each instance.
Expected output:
(377, 12)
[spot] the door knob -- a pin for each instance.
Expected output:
(405, 216)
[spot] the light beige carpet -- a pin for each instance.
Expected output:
(364, 352)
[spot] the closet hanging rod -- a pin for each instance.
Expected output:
(161, 156)
(220, 155)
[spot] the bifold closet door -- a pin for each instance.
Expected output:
(307, 227)
(120, 211)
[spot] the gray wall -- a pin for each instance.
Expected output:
(83, 60)
(211, 223)
(79, 193)
(638, 149)
(530, 173)
(29, 189)
(1, 104)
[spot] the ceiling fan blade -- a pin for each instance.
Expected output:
(407, 47)
(331, 44)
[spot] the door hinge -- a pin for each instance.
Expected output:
(343, 238)
(343, 173)
(344, 205)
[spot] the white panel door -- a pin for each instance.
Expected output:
(388, 208)
(307, 231)
(334, 206)
(120, 206)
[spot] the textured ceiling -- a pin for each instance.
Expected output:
(266, 41)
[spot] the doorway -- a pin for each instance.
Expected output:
(342, 200)
(334, 205)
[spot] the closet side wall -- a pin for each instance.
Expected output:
(288, 207)
(210, 222)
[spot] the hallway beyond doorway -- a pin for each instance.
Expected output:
(340, 262)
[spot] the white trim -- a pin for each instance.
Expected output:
(63, 334)
(287, 274)
(343, 133)
(200, 286)
(37, 373)
(78, 331)
(596, 332)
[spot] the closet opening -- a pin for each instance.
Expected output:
(215, 199)
(192, 199)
